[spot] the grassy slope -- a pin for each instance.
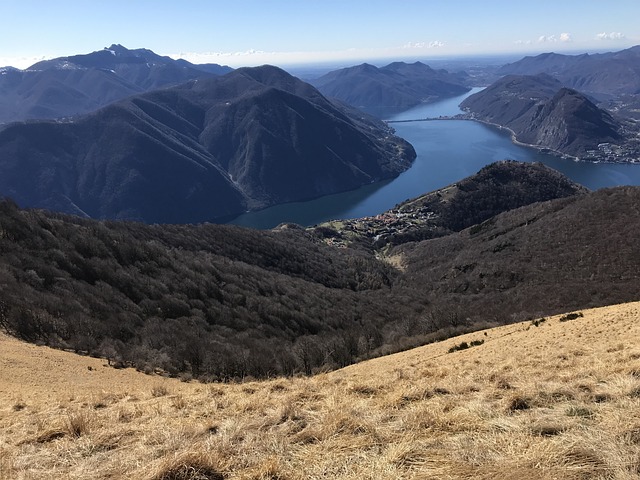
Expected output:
(560, 400)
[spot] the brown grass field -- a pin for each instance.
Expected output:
(560, 400)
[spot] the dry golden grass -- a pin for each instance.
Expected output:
(560, 400)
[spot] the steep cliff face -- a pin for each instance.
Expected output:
(570, 123)
(541, 112)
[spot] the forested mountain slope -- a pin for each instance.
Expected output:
(219, 301)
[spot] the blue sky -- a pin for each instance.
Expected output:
(285, 32)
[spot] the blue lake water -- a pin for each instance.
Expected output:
(448, 150)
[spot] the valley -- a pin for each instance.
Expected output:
(447, 151)
(177, 157)
(512, 242)
(73, 175)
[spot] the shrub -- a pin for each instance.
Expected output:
(518, 402)
(159, 391)
(465, 345)
(571, 316)
(78, 424)
(189, 467)
(537, 323)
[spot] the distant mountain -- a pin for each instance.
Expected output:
(199, 151)
(397, 86)
(206, 67)
(606, 73)
(79, 84)
(541, 112)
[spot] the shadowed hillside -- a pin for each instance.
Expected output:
(201, 151)
(555, 255)
(218, 302)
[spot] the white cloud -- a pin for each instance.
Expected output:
(213, 55)
(610, 36)
(523, 42)
(253, 57)
(563, 37)
(547, 39)
(285, 58)
(434, 44)
(239, 58)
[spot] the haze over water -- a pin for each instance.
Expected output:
(448, 150)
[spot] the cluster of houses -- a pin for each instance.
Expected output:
(612, 153)
(378, 227)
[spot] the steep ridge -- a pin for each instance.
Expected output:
(540, 112)
(199, 151)
(78, 84)
(219, 301)
(396, 86)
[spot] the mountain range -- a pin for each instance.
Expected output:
(395, 87)
(205, 149)
(145, 137)
(77, 84)
(541, 112)
(602, 74)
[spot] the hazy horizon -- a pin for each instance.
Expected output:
(287, 32)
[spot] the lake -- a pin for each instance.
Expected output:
(447, 151)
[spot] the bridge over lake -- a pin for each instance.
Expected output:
(460, 116)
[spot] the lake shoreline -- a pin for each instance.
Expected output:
(447, 152)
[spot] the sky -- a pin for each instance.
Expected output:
(288, 32)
